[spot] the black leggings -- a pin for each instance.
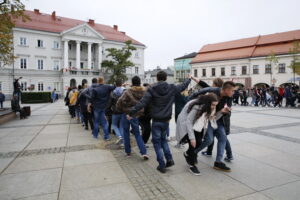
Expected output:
(191, 150)
(88, 119)
(145, 123)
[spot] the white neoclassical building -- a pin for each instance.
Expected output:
(244, 61)
(58, 52)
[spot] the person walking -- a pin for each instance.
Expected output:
(145, 121)
(73, 94)
(161, 95)
(192, 126)
(83, 104)
(117, 126)
(99, 100)
(224, 106)
(2, 99)
(129, 99)
(53, 95)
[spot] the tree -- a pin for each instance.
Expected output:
(119, 62)
(295, 63)
(272, 58)
(9, 10)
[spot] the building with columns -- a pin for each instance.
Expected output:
(58, 52)
(244, 61)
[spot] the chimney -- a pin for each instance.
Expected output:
(91, 22)
(116, 27)
(123, 32)
(36, 11)
(53, 15)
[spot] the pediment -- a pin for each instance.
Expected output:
(83, 30)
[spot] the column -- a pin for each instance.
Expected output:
(78, 54)
(89, 55)
(66, 53)
(100, 55)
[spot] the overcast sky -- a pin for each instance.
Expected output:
(172, 28)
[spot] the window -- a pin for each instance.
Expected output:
(55, 45)
(244, 70)
(81, 47)
(233, 70)
(195, 73)
(23, 41)
(255, 69)
(213, 71)
(23, 63)
(204, 72)
(136, 70)
(81, 65)
(136, 55)
(24, 86)
(92, 65)
(56, 86)
(0, 86)
(40, 86)
(56, 65)
(281, 68)
(70, 47)
(223, 71)
(70, 64)
(40, 43)
(40, 64)
(268, 69)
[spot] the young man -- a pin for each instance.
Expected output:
(225, 94)
(161, 96)
(129, 99)
(117, 115)
(99, 100)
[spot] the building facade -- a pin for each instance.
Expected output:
(58, 52)
(182, 67)
(245, 61)
(150, 75)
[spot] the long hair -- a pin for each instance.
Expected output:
(205, 102)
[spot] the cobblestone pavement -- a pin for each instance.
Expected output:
(49, 156)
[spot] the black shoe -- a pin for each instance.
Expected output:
(170, 163)
(221, 166)
(228, 158)
(161, 169)
(188, 160)
(86, 128)
(194, 170)
(205, 153)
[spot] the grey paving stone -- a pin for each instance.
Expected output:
(110, 192)
(93, 175)
(52, 196)
(13, 186)
(255, 196)
(288, 191)
(39, 162)
(88, 157)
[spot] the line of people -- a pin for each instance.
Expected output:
(200, 116)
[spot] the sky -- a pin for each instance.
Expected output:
(173, 28)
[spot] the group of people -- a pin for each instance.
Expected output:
(273, 96)
(200, 116)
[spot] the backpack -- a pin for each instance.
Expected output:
(74, 98)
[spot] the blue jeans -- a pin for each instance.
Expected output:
(134, 123)
(160, 143)
(117, 126)
(99, 118)
(222, 140)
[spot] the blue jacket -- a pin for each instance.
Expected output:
(2, 97)
(100, 96)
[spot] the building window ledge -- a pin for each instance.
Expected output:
(59, 49)
(26, 46)
(40, 47)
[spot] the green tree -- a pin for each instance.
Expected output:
(273, 61)
(119, 62)
(9, 10)
(295, 63)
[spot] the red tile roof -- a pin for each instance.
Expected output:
(45, 22)
(279, 43)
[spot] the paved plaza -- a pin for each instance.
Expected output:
(49, 156)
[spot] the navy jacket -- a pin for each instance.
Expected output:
(161, 97)
(100, 96)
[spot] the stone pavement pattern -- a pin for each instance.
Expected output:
(49, 156)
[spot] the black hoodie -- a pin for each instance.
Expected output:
(161, 97)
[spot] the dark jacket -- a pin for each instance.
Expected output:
(161, 96)
(2, 97)
(100, 96)
(82, 101)
(129, 99)
(222, 101)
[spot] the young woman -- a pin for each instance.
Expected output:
(196, 122)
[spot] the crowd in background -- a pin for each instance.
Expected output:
(287, 96)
